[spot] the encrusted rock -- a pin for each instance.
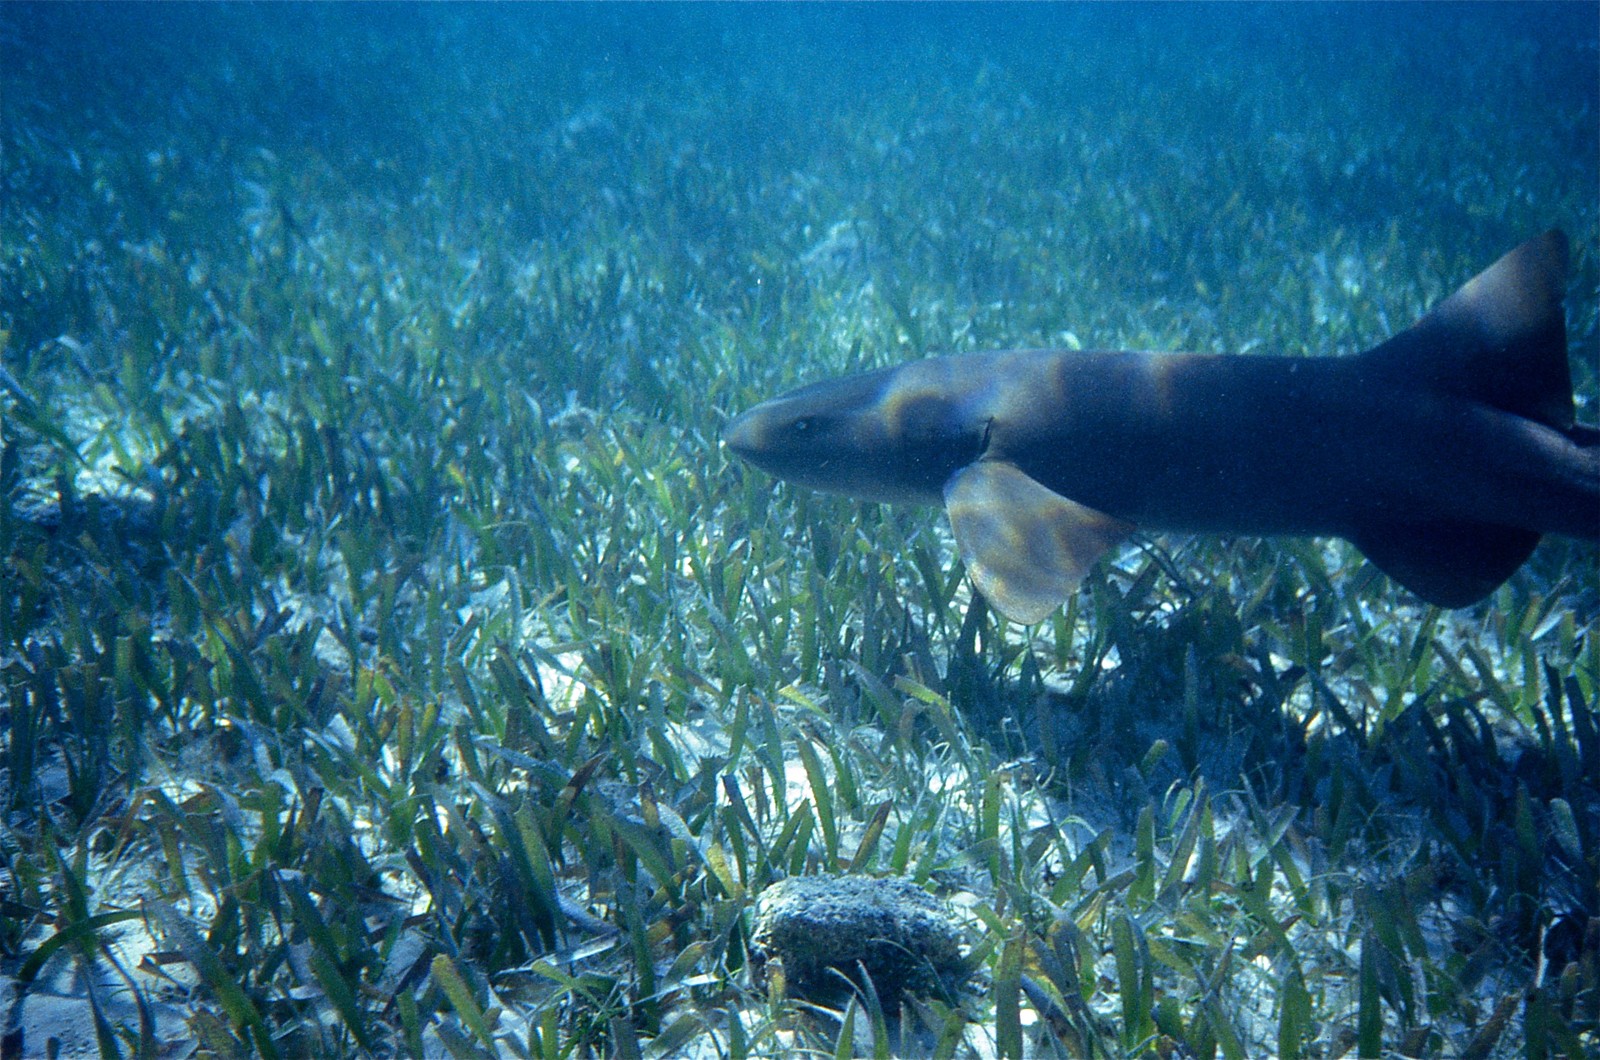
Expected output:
(814, 926)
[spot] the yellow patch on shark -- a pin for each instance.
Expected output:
(1025, 547)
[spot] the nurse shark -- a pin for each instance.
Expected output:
(1443, 454)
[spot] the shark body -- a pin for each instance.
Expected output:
(1444, 454)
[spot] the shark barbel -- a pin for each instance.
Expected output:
(1443, 454)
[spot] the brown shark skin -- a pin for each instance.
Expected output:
(1282, 445)
(1443, 453)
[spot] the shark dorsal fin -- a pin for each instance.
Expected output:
(1026, 547)
(1501, 339)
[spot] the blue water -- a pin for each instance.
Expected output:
(1161, 143)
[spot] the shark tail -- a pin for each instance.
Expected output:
(1500, 340)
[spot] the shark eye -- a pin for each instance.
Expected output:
(802, 425)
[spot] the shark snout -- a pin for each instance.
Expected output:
(742, 435)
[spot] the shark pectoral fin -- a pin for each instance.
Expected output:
(1448, 564)
(1025, 547)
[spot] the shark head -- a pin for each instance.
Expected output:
(934, 432)
(889, 435)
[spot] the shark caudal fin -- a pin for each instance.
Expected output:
(1500, 340)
